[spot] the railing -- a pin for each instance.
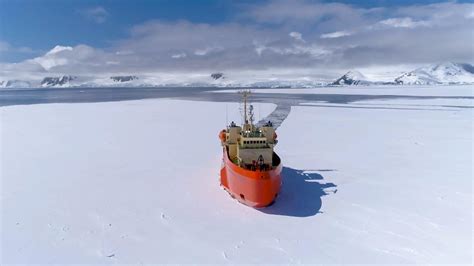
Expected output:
(249, 146)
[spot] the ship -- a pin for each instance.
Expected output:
(251, 170)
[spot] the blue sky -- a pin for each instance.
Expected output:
(30, 28)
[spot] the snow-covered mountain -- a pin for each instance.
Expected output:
(437, 74)
(352, 77)
(123, 78)
(62, 81)
(445, 73)
(217, 75)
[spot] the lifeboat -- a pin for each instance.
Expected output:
(251, 170)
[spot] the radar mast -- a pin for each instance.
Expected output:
(245, 96)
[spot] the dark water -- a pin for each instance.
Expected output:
(84, 95)
(284, 101)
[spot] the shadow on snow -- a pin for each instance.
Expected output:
(300, 194)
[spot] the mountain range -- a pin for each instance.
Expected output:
(448, 73)
(437, 74)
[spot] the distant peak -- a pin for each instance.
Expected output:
(217, 75)
(352, 77)
(123, 78)
(56, 81)
(441, 73)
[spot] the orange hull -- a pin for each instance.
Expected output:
(252, 188)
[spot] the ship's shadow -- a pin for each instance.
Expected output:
(300, 194)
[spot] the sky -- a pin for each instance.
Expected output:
(144, 36)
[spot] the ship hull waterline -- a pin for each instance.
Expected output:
(256, 189)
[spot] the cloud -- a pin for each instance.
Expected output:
(206, 46)
(403, 22)
(180, 55)
(313, 50)
(335, 34)
(58, 49)
(53, 57)
(364, 30)
(96, 14)
(296, 35)
(300, 11)
(79, 59)
(207, 50)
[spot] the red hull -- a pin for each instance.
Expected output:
(252, 188)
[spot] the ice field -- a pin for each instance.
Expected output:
(374, 181)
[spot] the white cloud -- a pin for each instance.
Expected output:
(78, 58)
(96, 14)
(207, 50)
(405, 22)
(58, 49)
(53, 57)
(296, 35)
(335, 34)
(180, 55)
(313, 50)
(50, 62)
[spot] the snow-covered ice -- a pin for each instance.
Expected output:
(137, 182)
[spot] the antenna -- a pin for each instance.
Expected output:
(226, 116)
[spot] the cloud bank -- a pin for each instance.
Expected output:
(279, 34)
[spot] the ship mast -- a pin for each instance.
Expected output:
(245, 107)
(245, 95)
